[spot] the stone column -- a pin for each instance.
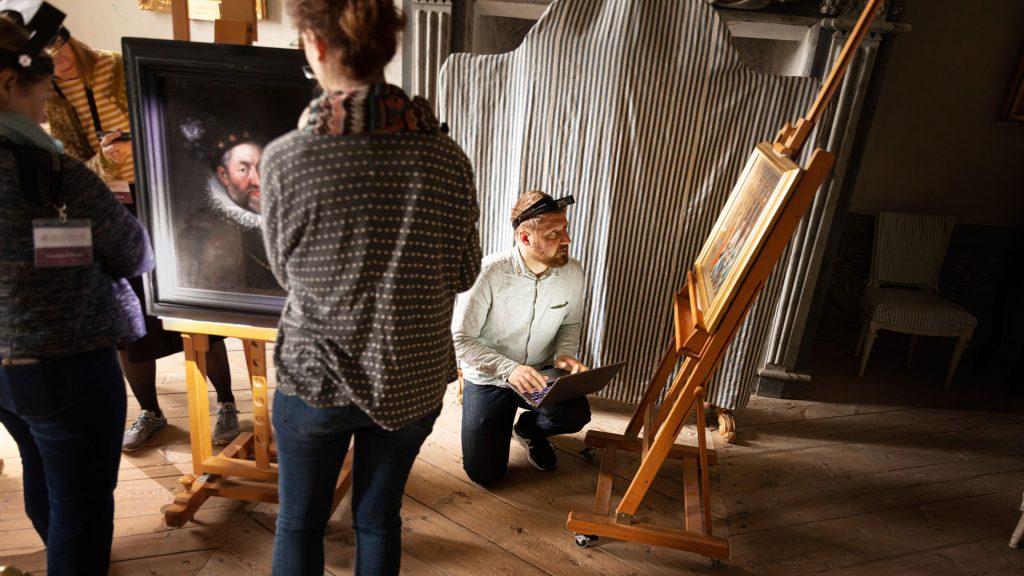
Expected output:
(780, 377)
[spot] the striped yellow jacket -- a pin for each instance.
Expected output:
(66, 126)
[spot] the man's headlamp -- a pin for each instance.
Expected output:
(43, 29)
(543, 206)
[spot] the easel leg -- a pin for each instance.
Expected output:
(655, 457)
(196, 346)
(186, 503)
(256, 361)
(640, 420)
(344, 480)
(603, 501)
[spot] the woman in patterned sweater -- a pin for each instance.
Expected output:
(370, 218)
(64, 303)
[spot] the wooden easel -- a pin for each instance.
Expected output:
(653, 433)
(245, 469)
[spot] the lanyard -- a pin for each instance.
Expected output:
(95, 112)
(92, 106)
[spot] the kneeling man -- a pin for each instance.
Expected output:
(523, 313)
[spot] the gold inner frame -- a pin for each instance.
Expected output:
(200, 9)
(771, 199)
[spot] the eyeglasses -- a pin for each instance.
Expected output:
(57, 43)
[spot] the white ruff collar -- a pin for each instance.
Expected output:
(223, 204)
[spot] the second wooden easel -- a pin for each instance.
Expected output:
(652, 432)
(245, 469)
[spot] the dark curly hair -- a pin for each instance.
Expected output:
(365, 32)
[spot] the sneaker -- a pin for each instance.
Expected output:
(539, 452)
(147, 424)
(226, 428)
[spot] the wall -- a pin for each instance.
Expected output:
(102, 24)
(934, 144)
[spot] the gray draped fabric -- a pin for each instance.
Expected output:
(643, 111)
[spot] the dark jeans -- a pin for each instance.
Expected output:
(311, 446)
(487, 414)
(67, 417)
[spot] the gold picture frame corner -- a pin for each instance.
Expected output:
(202, 9)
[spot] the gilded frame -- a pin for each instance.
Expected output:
(200, 9)
(742, 227)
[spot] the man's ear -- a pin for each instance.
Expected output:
(524, 237)
(222, 175)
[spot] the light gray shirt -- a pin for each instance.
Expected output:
(511, 317)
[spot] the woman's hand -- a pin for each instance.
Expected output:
(115, 150)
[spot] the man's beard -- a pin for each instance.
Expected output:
(556, 260)
(243, 201)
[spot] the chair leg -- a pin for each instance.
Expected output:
(869, 342)
(860, 339)
(1019, 531)
(913, 345)
(958, 351)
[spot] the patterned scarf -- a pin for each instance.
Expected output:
(373, 109)
(17, 128)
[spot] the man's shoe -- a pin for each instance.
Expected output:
(539, 452)
(226, 428)
(147, 424)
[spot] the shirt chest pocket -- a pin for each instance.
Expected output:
(557, 310)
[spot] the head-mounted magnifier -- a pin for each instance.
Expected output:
(44, 28)
(542, 206)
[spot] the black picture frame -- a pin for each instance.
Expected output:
(188, 100)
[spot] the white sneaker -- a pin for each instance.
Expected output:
(226, 428)
(147, 424)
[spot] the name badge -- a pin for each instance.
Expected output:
(121, 191)
(59, 244)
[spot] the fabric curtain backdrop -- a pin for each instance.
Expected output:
(643, 111)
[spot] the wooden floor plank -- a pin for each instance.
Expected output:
(830, 544)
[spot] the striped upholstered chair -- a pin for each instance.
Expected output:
(903, 291)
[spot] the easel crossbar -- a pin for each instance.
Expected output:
(601, 439)
(710, 546)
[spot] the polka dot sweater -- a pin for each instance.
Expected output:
(372, 235)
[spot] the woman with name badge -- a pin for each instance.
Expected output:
(65, 303)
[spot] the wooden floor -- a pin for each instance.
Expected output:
(886, 475)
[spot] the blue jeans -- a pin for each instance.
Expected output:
(67, 417)
(487, 414)
(311, 446)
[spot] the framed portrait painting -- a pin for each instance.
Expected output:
(752, 209)
(201, 115)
